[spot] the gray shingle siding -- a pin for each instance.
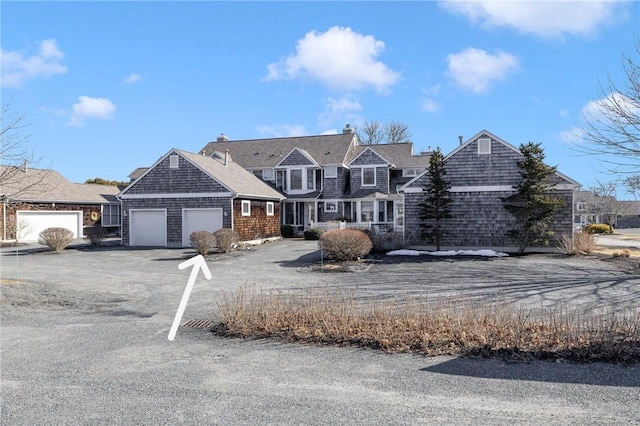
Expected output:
(296, 158)
(368, 157)
(382, 182)
(468, 168)
(480, 219)
(334, 187)
(185, 179)
(174, 208)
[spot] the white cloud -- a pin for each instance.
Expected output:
(282, 130)
(329, 132)
(100, 108)
(564, 113)
(133, 78)
(339, 58)
(342, 109)
(430, 105)
(17, 67)
(540, 18)
(602, 112)
(476, 69)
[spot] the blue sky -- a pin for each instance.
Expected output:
(111, 86)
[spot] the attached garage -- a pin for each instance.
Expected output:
(148, 227)
(31, 223)
(199, 220)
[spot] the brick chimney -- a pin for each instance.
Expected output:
(222, 138)
(348, 130)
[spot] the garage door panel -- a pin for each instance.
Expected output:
(193, 220)
(148, 228)
(31, 223)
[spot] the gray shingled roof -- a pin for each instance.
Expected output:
(137, 173)
(399, 154)
(49, 186)
(232, 175)
(266, 153)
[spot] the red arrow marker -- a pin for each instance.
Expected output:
(198, 263)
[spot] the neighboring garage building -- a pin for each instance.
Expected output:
(36, 199)
(185, 192)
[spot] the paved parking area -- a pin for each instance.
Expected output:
(84, 341)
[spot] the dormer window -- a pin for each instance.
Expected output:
(368, 176)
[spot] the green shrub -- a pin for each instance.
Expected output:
(56, 238)
(286, 231)
(226, 239)
(313, 233)
(96, 235)
(598, 228)
(202, 241)
(345, 244)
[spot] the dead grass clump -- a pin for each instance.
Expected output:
(421, 326)
(581, 243)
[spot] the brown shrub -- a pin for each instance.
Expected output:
(202, 241)
(582, 242)
(345, 244)
(56, 238)
(96, 235)
(226, 239)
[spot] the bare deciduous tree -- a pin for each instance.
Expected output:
(605, 204)
(374, 133)
(612, 123)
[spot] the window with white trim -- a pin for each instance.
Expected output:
(411, 172)
(173, 161)
(246, 208)
(330, 206)
(270, 208)
(366, 211)
(111, 215)
(484, 146)
(368, 176)
(268, 174)
(331, 172)
(295, 181)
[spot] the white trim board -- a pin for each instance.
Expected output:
(487, 188)
(178, 195)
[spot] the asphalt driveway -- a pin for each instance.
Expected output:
(84, 341)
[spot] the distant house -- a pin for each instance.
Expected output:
(629, 216)
(330, 177)
(481, 172)
(185, 192)
(36, 199)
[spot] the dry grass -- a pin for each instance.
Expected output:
(580, 243)
(421, 326)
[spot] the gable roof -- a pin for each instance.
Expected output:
(304, 153)
(267, 153)
(399, 154)
(230, 175)
(377, 154)
(49, 186)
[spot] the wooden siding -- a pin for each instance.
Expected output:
(480, 219)
(382, 181)
(296, 158)
(10, 214)
(174, 208)
(368, 158)
(258, 225)
(333, 188)
(185, 179)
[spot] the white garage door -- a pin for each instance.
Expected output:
(199, 220)
(31, 223)
(148, 227)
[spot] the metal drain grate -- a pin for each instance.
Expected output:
(198, 323)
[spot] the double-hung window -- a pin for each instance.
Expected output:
(368, 176)
(296, 179)
(246, 208)
(111, 215)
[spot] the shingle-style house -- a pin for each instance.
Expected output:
(185, 192)
(481, 172)
(330, 177)
(36, 199)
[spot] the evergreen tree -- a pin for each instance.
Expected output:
(435, 207)
(532, 204)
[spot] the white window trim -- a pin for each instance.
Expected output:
(111, 207)
(362, 176)
(305, 172)
(333, 170)
(268, 174)
(334, 205)
(411, 172)
(248, 209)
(174, 161)
(487, 146)
(270, 208)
